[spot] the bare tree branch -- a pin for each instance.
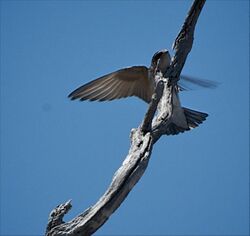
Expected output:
(184, 41)
(147, 122)
(57, 215)
(142, 140)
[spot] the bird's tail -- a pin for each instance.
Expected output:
(194, 118)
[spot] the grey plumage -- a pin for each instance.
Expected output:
(140, 81)
(131, 81)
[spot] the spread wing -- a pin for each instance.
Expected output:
(190, 83)
(131, 81)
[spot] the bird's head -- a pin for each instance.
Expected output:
(160, 61)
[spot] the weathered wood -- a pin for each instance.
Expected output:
(56, 215)
(142, 140)
(184, 41)
(147, 121)
(123, 181)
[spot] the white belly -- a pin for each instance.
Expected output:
(178, 116)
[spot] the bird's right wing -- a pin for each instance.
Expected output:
(131, 81)
(190, 83)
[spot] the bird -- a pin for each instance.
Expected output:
(140, 81)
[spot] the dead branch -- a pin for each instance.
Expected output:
(142, 140)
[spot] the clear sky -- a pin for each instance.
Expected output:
(54, 149)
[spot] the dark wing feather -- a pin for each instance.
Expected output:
(190, 83)
(131, 81)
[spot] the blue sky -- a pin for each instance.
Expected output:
(54, 149)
